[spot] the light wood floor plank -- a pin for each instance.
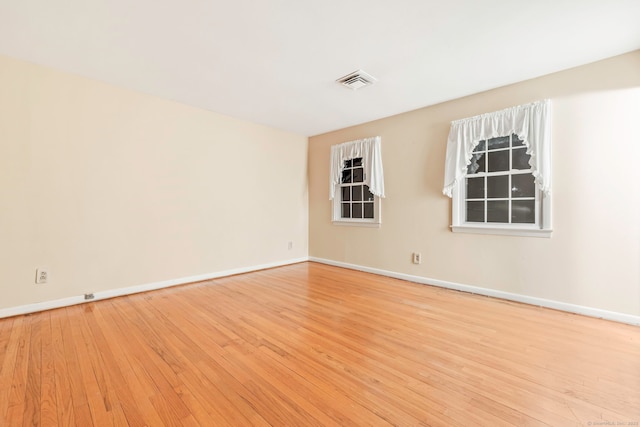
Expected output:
(315, 345)
(130, 378)
(32, 398)
(48, 416)
(17, 396)
(9, 347)
(64, 402)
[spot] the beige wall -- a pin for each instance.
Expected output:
(110, 188)
(593, 256)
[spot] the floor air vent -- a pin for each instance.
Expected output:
(356, 80)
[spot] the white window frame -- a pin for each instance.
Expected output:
(531, 123)
(540, 228)
(369, 149)
(337, 218)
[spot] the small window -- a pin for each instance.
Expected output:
(356, 182)
(356, 204)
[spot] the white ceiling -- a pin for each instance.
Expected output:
(275, 61)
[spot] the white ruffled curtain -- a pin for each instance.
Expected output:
(369, 150)
(532, 124)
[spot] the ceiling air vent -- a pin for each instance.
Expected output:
(356, 80)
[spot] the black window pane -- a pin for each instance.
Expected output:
(357, 192)
(475, 211)
(523, 211)
(500, 142)
(475, 188)
(357, 210)
(346, 194)
(498, 186)
(358, 175)
(368, 196)
(348, 163)
(368, 210)
(516, 141)
(523, 185)
(520, 159)
(346, 176)
(498, 211)
(357, 161)
(477, 163)
(498, 161)
(481, 146)
(346, 210)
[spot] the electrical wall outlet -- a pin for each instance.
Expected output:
(89, 296)
(417, 258)
(42, 275)
(290, 245)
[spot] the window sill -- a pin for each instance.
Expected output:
(505, 231)
(357, 224)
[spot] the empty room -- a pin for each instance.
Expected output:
(292, 213)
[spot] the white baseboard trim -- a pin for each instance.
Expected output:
(557, 305)
(111, 293)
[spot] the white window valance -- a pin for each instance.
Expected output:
(531, 122)
(369, 150)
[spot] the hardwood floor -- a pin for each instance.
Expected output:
(308, 345)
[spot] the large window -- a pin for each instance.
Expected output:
(499, 185)
(498, 172)
(356, 182)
